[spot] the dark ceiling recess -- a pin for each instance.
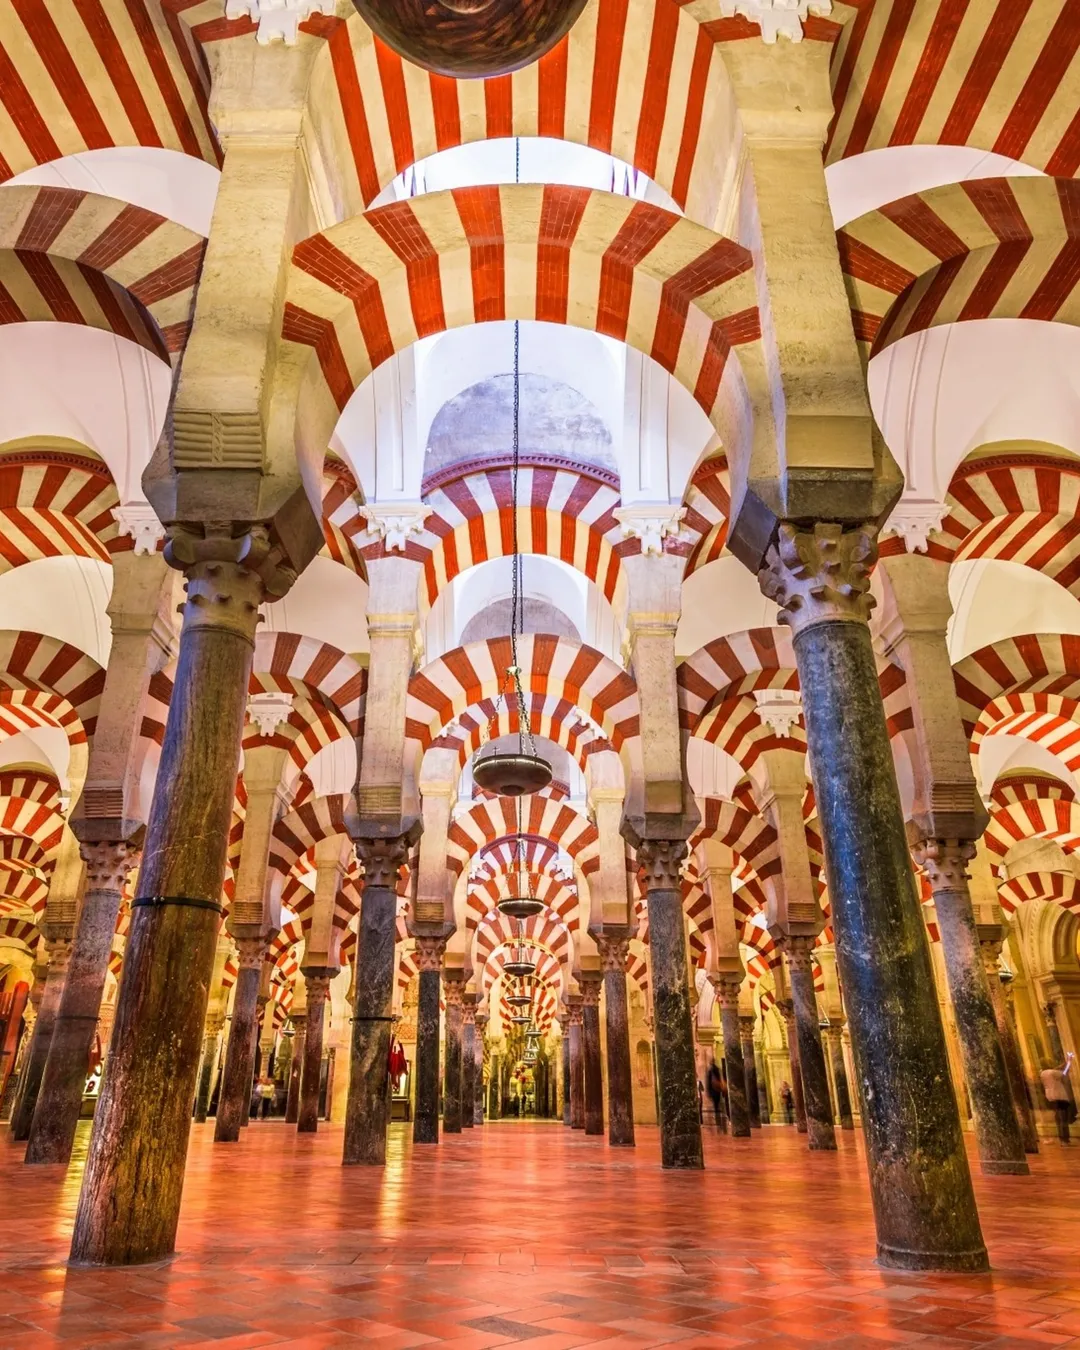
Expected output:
(471, 39)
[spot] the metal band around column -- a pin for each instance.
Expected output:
(186, 901)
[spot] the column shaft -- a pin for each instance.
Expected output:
(38, 1053)
(680, 1125)
(296, 1073)
(130, 1200)
(620, 1071)
(207, 1068)
(798, 1098)
(750, 1083)
(924, 1204)
(590, 1045)
(56, 1114)
(468, 1069)
(567, 1072)
(452, 1068)
(812, 1070)
(997, 1129)
(318, 986)
(577, 1072)
(234, 1100)
(839, 1070)
(1013, 1061)
(367, 1112)
(478, 1070)
(738, 1108)
(426, 1119)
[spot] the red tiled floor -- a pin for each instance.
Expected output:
(521, 1233)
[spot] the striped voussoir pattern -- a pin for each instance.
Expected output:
(289, 663)
(1021, 508)
(22, 891)
(1027, 686)
(363, 290)
(48, 683)
(73, 257)
(21, 855)
(1023, 787)
(301, 829)
(542, 930)
(550, 716)
(637, 79)
(559, 895)
(989, 248)
(1036, 818)
(33, 819)
(77, 76)
(550, 666)
(495, 819)
(708, 509)
(1059, 888)
(732, 666)
(1000, 77)
(52, 504)
(23, 932)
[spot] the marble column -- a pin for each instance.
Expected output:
(208, 1067)
(660, 861)
(481, 1021)
(590, 1049)
(834, 1038)
(317, 985)
(453, 990)
(468, 1059)
(234, 1100)
(58, 940)
(750, 1083)
(59, 1102)
(787, 1011)
(367, 1111)
(727, 991)
(763, 1088)
(614, 948)
(429, 957)
(1014, 1063)
(130, 1201)
(812, 1070)
(296, 1073)
(924, 1204)
(577, 1064)
(997, 1129)
(567, 1070)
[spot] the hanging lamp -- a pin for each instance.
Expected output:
(470, 38)
(522, 770)
(520, 965)
(519, 1000)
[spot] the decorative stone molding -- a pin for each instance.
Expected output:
(779, 709)
(914, 522)
(395, 522)
(139, 521)
(202, 439)
(453, 988)
(777, 18)
(797, 949)
(429, 953)
(251, 950)
(278, 20)
(613, 950)
(747, 1027)
(945, 862)
(590, 983)
(652, 524)
(821, 574)
(468, 1009)
(317, 985)
(727, 985)
(108, 864)
(661, 860)
(268, 711)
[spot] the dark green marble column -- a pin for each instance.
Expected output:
(924, 1205)
(1011, 1049)
(296, 1073)
(317, 981)
(746, 1039)
(59, 944)
(468, 1059)
(727, 991)
(660, 860)
(812, 1070)
(590, 1050)
(234, 1100)
(614, 948)
(453, 989)
(834, 1039)
(429, 955)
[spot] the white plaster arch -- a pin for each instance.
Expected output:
(999, 755)
(174, 185)
(718, 600)
(334, 768)
(327, 602)
(994, 599)
(47, 746)
(865, 182)
(63, 597)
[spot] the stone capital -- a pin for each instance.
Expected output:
(383, 856)
(779, 709)
(317, 982)
(945, 862)
(575, 1004)
(468, 1008)
(776, 18)
(651, 522)
(268, 711)
(820, 574)
(278, 20)
(453, 983)
(727, 985)
(662, 862)
(613, 947)
(108, 864)
(590, 983)
(395, 522)
(252, 944)
(429, 952)
(798, 950)
(139, 521)
(915, 521)
(747, 1027)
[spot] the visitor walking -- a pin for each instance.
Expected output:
(787, 1101)
(1055, 1085)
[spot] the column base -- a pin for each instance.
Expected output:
(1004, 1168)
(900, 1258)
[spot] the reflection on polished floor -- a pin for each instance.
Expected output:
(526, 1232)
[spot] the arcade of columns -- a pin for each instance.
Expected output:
(781, 854)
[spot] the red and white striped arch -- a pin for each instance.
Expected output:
(85, 77)
(21, 890)
(562, 514)
(1009, 680)
(550, 716)
(311, 726)
(302, 828)
(708, 509)
(53, 503)
(34, 819)
(288, 663)
(542, 819)
(73, 257)
(751, 838)
(1000, 78)
(20, 932)
(1024, 787)
(988, 248)
(550, 666)
(730, 667)
(48, 682)
(1021, 508)
(492, 885)
(1035, 818)
(544, 930)
(638, 79)
(1060, 888)
(361, 291)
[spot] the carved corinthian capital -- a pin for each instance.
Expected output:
(821, 574)
(107, 864)
(945, 862)
(661, 860)
(382, 859)
(429, 953)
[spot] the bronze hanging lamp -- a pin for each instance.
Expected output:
(520, 965)
(521, 771)
(470, 39)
